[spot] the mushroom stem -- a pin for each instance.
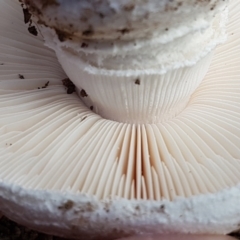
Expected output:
(141, 80)
(146, 98)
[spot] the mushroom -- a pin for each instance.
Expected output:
(140, 149)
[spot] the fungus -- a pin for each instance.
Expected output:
(162, 156)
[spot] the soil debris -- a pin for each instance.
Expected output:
(69, 85)
(83, 93)
(137, 81)
(27, 15)
(45, 85)
(33, 30)
(21, 76)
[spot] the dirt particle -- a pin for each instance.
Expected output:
(83, 93)
(62, 36)
(107, 207)
(45, 85)
(84, 45)
(27, 15)
(162, 208)
(88, 32)
(21, 76)
(124, 30)
(67, 205)
(69, 85)
(137, 81)
(91, 108)
(33, 30)
(137, 208)
(70, 90)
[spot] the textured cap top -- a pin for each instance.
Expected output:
(125, 19)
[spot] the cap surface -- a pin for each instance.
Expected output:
(125, 19)
(164, 41)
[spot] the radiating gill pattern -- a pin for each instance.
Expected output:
(25, 64)
(50, 140)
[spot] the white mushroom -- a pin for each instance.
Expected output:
(159, 153)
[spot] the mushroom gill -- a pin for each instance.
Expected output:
(83, 159)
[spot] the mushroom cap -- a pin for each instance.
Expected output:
(165, 40)
(65, 170)
(127, 19)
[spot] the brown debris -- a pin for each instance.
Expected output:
(124, 30)
(69, 85)
(27, 20)
(84, 45)
(33, 30)
(62, 35)
(27, 15)
(137, 81)
(67, 205)
(83, 93)
(45, 85)
(88, 32)
(21, 76)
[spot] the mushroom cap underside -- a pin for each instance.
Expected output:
(67, 171)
